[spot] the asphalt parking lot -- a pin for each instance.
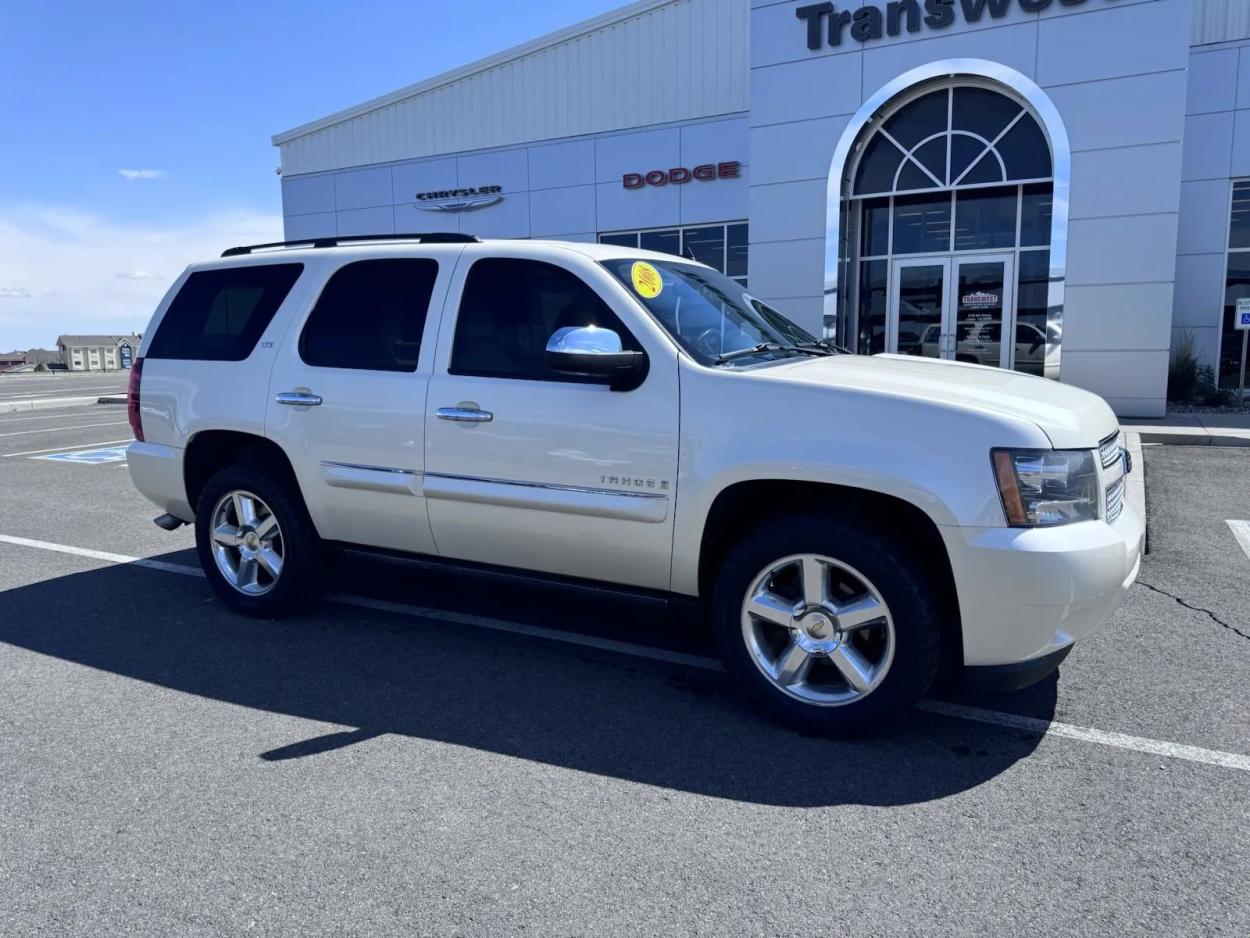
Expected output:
(435, 755)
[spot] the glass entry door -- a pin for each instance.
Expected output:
(919, 308)
(953, 307)
(983, 310)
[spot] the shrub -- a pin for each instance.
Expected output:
(1183, 371)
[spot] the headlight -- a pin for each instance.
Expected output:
(1042, 487)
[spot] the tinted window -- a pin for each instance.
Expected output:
(1035, 215)
(985, 218)
(1239, 226)
(371, 315)
(509, 310)
(219, 315)
(666, 242)
(922, 224)
(922, 118)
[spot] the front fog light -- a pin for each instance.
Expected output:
(1042, 487)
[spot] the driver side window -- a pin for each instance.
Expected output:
(511, 307)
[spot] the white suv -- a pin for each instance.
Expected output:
(855, 526)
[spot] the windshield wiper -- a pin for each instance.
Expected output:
(806, 349)
(826, 345)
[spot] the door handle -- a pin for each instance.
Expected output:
(464, 414)
(298, 397)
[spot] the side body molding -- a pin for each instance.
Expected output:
(644, 507)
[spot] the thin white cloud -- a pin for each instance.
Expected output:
(68, 262)
(14, 293)
(132, 174)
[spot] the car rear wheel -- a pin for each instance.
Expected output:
(256, 543)
(829, 625)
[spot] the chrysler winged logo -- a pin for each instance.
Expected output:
(459, 200)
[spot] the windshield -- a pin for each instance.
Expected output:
(711, 316)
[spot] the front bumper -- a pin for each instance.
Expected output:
(1028, 593)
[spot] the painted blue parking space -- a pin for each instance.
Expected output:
(91, 457)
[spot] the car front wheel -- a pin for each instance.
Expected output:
(827, 624)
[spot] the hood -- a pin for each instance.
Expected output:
(1070, 417)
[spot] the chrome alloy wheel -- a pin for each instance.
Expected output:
(247, 543)
(818, 630)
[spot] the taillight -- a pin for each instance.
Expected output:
(132, 400)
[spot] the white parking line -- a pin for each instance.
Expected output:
(1141, 744)
(6, 419)
(1241, 531)
(85, 426)
(66, 449)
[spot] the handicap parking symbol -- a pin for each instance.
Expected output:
(91, 457)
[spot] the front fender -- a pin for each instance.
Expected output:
(935, 457)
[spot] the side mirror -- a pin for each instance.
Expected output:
(592, 352)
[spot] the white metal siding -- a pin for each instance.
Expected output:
(1220, 21)
(681, 60)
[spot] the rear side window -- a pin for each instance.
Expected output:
(371, 315)
(509, 310)
(219, 315)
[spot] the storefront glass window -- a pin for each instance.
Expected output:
(736, 251)
(666, 242)
(985, 219)
(705, 245)
(1032, 301)
(920, 120)
(872, 303)
(1024, 151)
(723, 247)
(1035, 213)
(982, 112)
(953, 185)
(922, 223)
(877, 166)
(1239, 223)
(1236, 287)
(875, 230)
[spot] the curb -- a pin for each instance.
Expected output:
(1191, 436)
(1135, 484)
(46, 403)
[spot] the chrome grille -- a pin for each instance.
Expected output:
(1109, 450)
(1115, 499)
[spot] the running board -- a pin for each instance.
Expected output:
(168, 522)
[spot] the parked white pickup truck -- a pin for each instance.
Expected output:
(855, 526)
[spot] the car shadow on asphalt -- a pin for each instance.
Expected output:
(372, 673)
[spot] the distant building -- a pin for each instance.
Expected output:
(43, 356)
(11, 361)
(98, 352)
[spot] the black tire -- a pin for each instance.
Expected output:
(905, 584)
(298, 588)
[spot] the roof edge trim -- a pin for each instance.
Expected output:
(611, 18)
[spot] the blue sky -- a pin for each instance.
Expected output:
(184, 97)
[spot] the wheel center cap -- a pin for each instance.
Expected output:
(817, 626)
(251, 540)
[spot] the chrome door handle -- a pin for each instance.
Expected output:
(464, 414)
(298, 397)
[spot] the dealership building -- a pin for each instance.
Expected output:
(1060, 187)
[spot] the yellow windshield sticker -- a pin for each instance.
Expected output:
(647, 281)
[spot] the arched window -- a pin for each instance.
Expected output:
(948, 210)
(959, 136)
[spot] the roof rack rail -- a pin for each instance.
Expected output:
(428, 237)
